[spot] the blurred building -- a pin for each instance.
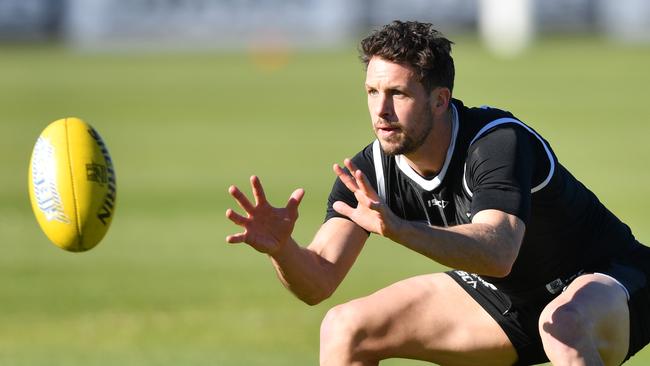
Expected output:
(30, 20)
(101, 24)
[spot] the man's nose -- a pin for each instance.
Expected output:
(384, 108)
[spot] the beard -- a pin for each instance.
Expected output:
(408, 141)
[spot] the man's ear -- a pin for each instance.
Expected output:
(440, 97)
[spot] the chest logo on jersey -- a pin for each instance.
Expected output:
(436, 202)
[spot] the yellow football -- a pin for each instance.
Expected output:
(72, 184)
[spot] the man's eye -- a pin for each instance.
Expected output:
(372, 91)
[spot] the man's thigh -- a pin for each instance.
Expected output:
(431, 318)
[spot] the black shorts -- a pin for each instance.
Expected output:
(519, 320)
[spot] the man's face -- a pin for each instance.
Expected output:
(399, 106)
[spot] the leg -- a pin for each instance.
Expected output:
(588, 324)
(429, 318)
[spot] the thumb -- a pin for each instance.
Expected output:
(295, 199)
(343, 208)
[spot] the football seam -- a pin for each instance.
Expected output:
(74, 191)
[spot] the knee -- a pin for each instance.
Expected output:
(342, 325)
(344, 333)
(564, 328)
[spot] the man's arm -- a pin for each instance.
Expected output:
(314, 273)
(488, 246)
(311, 273)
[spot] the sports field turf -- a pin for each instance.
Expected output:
(164, 288)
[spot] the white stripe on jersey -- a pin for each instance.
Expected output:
(379, 170)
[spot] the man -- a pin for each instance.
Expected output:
(543, 270)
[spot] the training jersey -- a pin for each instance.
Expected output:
(495, 161)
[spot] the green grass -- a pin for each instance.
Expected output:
(163, 288)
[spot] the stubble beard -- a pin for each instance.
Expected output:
(407, 142)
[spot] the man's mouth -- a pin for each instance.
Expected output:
(387, 130)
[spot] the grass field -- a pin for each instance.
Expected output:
(164, 288)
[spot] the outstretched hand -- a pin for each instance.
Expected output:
(371, 213)
(266, 228)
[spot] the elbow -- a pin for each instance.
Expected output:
(316, 295)
(315, 299)
(502, 265)
(499, 270)
(312, 302)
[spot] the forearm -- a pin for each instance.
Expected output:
(303, 272)
(478, 247)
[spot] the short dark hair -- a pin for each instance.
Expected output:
(414, 44)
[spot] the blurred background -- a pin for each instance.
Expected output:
(192, 96)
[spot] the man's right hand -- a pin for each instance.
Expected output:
(266, 228)
(371, 213)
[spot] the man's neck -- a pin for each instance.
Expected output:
(429, 159)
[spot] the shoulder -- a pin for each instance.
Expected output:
(509, 148)
(500, 137)
(473, 118)
(489, 125)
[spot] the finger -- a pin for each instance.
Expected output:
(237, 218)
(258, 190)
(236, 238)
(295, 199)
(352, 167)
(365, 185)
(346, 178)
(241, 199)
(343, 208)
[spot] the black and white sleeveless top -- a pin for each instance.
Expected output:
(495, 161)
